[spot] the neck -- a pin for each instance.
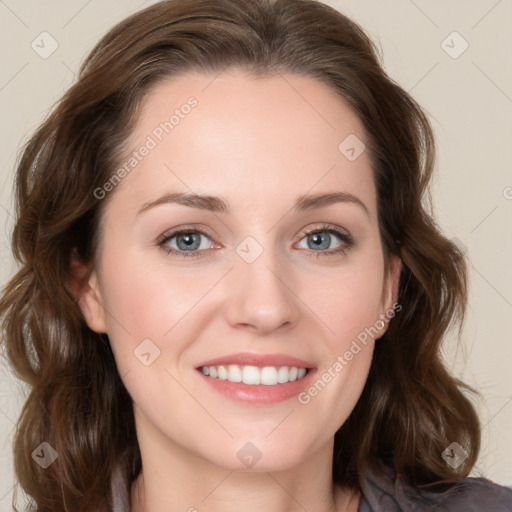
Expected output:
(237, 491)
(174, 478)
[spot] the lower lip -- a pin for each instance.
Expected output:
(259, 394)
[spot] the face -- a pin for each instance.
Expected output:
(257, 278)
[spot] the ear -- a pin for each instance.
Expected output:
(85, 288)
(390, 292)
(391, 282)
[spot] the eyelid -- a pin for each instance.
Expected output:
(346, 238)
(344, 235)
(325, 227)
(185, 228)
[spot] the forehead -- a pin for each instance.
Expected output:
(278, 135)
(276, 101)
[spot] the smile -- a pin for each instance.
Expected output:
(254, 375)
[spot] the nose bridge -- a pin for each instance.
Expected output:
(261, 291)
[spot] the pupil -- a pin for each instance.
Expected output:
(189, 239)
(317, 240)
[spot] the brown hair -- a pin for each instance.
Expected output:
(411, 408)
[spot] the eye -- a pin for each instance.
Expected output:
(184, 242)
(188, 242)
(322, 237)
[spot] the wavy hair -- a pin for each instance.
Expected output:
(411, 408)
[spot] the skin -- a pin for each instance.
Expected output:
(258, 144)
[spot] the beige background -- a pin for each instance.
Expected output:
(467, 95)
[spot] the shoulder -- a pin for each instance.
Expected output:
(477, 494)
(384, 491)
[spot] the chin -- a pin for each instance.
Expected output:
(257, 455)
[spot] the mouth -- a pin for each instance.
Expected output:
(257, 379)
(254, 375)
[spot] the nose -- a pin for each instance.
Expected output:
(261, 296)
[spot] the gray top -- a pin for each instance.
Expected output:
(383, 492)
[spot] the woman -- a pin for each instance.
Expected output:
(230, 295)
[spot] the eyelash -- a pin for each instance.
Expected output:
(346, 238)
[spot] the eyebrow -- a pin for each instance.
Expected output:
(218, 205)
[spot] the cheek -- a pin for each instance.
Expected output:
(148, 299)
(347, 301)
(349, 309)
(157, 302)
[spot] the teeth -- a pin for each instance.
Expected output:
(254, 375)
(222, 372)
(269, 375)
(234, 373)
(251, 375)
(282, 374)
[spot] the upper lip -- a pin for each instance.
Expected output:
(261, 360)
